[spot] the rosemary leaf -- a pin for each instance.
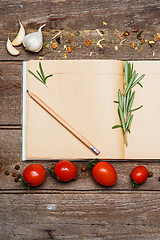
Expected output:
(135, 109)
(41, 70)
(34, 75)
(119, 97)
(49, 76)
(116, 126)
(139, 79)
(128, 120)
(131, 81)
(130, 102)
(129, 124)
(127, 100)
(127, 72)
(140, 84)
(122, 102)
(121, 114)
(115, 101)
(40, 76)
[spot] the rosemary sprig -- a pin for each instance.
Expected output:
(125, 101)
(41, 76)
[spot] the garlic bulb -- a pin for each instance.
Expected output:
(12, 50)
(20, 36)
(34, 41)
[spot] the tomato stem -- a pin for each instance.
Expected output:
(92, 163)
(25, 182)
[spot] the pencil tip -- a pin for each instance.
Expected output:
(27, 90)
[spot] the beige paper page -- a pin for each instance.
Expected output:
(144, 139)
(82, 93)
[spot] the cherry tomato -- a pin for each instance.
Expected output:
(104, 173)
(65, 171)
(34, 174)
(139, 175)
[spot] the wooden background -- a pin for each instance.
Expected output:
(81, 209)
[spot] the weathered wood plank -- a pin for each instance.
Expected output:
(70, 16)
(80, 216)
(10, 92)
(10, 155)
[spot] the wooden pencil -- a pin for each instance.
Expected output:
(63, 122)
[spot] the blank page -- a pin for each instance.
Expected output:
(82, 93)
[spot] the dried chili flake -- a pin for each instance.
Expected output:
(126, 33)
(139, 35)
(132, 44)
(69, 40)
(156, 39)
(122, 41)
(54, 45)
(87, 42)
(69, 49)
(120, 37)
(104, 23)
(136, 30)
(116, 30)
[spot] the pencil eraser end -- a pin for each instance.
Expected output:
(27, 90)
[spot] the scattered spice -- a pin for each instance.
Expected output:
(54, 45)
(75, 178)
(41, 58)
(143, 41)
(156, 39)
(65, 56)
(7, 172)
(139, 35)
(132, 44)
(77, 33)
(16, 179)
(122, 41)
(98, 43)
(83, 168)
(17, 167)
(90, 54)
(14, 174)
(104, 23)
(58, 39)
(126, 33)
(151, 43)
(116, 30)
(19, 175)
(69, 40)
(120, 37)
(87, 42)
(150, 174)
(135, 30)
(69, 49)
(116, 48)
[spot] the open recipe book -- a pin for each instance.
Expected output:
(82, 93)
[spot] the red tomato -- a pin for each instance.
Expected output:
(65, 171)
(139, 175)
(104, 173)
(34, 174)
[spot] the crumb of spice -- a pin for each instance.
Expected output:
(135, 30)
(83, 168)
(126, 33)
(132, 44)
(156, 39)
(150, 174)
(87, 42)
(16, 179)
(54, 45)
(69, 49)
(75, 178)
(7, 172)
(14, 174)
(69, 40)
(17, 167)
(120, 37)
(116, 48)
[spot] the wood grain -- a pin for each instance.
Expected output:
(80, 216)
(69, 16)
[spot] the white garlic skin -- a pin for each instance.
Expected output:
(33, 42)
(20, 36)
(12, 50)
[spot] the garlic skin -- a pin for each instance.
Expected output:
(20, 36)
(34, 41)
(12, 50)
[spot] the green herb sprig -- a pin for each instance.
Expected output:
(41, 75)
(125, 101)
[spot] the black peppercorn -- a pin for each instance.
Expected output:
(16, 179)
(159, 179)
(17, 167)
(150, 174)
(14, 174)
(18, 175)
(7, 172)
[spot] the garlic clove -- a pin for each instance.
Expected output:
(12, 50)
(20, 36)
(34, 41)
